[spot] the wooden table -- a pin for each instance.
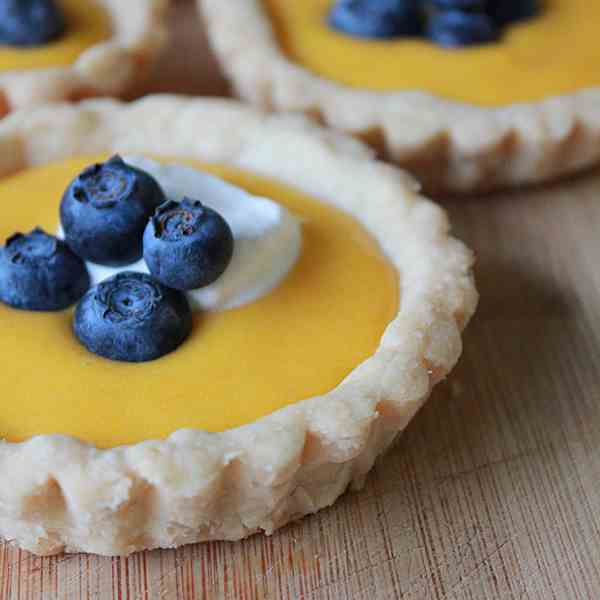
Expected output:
(494, 489)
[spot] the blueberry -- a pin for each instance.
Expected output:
(132, 317)
(187, 245)
(105, 210)
(504, 12)
(455, 28)
(377, 18)
(39, 272)
(463, 5)
(30, 22)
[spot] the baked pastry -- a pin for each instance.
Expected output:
(98, 47)
(521, 110)
(302, 389)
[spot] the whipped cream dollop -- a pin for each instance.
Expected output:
(268, 238)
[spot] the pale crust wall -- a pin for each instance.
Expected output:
(109, 68)
(449, 146)
(58, 494)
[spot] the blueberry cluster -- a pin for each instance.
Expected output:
(449, 23)
(30, 22)
(113, 214)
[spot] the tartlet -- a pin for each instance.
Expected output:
(137, 32)
(60, 494)
(451, 145)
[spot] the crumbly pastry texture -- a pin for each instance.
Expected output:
(105, 69)
(450, 146)
(59, 494)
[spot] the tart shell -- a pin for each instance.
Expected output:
(59, 494)
(451, 147)
(105, 69)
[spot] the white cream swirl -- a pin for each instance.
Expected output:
(268, 238)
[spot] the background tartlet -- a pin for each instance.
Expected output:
(110, 68)
(450, 146)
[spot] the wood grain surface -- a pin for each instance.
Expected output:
(494, 489)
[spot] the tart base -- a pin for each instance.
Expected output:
(59, 494)
(451, 147)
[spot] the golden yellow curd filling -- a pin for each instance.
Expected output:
(87, 25)
(301, 340)
(556, 52)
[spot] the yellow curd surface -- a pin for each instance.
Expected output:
(87, 25)
(299, 341)
(557, 52)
